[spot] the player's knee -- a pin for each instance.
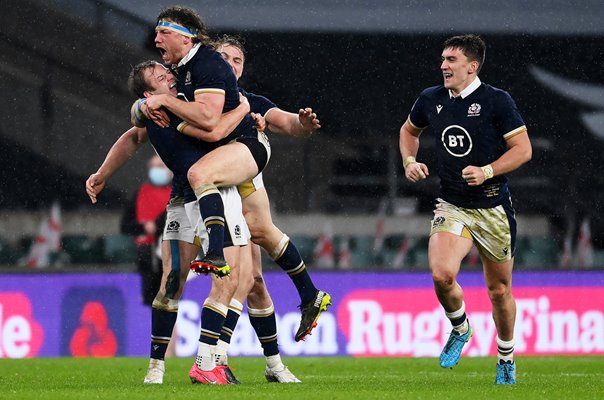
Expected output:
(443, 279)
(498, 293)
(259, 232)
(198, 177)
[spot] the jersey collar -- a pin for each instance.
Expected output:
(469, 90)
(189, 55)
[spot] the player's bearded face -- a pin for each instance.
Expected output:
(455, 68)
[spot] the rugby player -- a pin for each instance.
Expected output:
(182, 42)
(209, 87)
(179, 152)
(480, 136)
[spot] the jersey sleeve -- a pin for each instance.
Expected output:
(210, 76)
(418, 117)
(508, 120)
(258, 104)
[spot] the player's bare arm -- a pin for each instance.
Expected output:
(409, 145)
(228, 122)
(119, 154)
(203, 113)
(519, 152)
(302, 124)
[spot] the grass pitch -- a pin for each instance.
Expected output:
(323, 378)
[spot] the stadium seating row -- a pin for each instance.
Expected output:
(355, 252)
(76, 249)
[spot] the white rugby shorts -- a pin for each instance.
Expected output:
(183, 221)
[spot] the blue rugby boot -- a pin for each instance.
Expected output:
(506, 373)
(449, 357)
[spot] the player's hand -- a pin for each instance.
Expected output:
(416, 171)
(94, 185)
(259, 122)
(474, 176)
(243, 101)
(308, 120)
(153, 109)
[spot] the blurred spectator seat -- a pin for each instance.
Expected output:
(119, 249)
(8, 254)
(83, 249)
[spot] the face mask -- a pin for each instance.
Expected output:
(159, 176)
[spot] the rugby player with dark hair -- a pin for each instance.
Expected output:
(480, 136)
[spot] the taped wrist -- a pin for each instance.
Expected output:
(408, 161)
(488, 171)
(137, 113)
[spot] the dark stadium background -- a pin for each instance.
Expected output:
(64, 103)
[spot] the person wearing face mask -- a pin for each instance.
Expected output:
(144, 218)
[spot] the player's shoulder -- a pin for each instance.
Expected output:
(208, 58)
(433, 92)
(495, 92)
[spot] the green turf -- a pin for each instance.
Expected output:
(323, 378)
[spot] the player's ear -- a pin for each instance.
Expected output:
(147, 93)
(474, 67)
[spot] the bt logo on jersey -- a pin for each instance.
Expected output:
(20, 335)
(457, 141)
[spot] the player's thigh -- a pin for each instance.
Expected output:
(256, 209)
(227, 165)
(257, 214)
(497, 275)
(446, 250)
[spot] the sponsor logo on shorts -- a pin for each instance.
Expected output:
(438, 221)
(237, 230)
(505, 251)
(173, 226)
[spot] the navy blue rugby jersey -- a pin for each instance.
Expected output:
(178, 151)
(469, 131)
(258, 104)
(206, 72)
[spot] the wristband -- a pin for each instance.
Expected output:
(407, 161)
(487, 170)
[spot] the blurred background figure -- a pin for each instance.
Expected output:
(144, 217)
(48, 241)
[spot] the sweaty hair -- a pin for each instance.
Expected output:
(472, 46)
(228, 40)
(136, 80)
(190, 19)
